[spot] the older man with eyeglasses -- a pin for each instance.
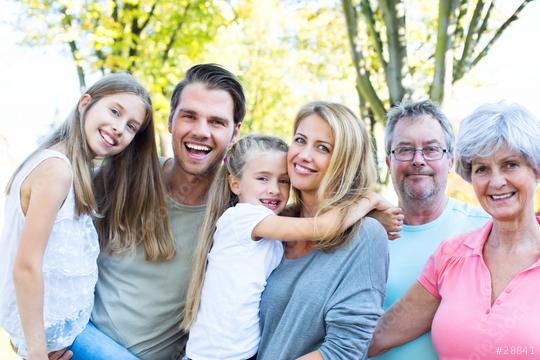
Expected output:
(419, 143)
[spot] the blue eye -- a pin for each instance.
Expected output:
(132, 127)
(115, 112)
(324, 148)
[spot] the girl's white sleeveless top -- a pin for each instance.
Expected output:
(69, 267)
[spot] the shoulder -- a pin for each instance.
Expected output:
(463, 244)
(52, 173)
(242, 209)
(466, 210)
(372, 236)
(243, 216)
(372, 231)
(163, 160)
(371, 226)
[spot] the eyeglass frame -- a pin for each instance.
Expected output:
(415, 150)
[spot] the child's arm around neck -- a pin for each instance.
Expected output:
(313, 228)
(44, 191)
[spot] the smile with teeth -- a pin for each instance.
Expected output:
(502, 196)
(271, 202)
(197, 148)
(107, 138)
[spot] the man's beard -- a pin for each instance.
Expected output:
(210, 170)
(416, 193)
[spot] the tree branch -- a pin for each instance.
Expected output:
(441, 49)
(499, 32)
(76, 58)
(370, 22)
(363, 82)
(67, 23)
(150, 15)
(395, 33)
(483, 27)
(170, 44)
(470, 40)
(458, 35)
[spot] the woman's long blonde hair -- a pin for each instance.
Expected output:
(350, 174)
(127, 197)
(220, 198)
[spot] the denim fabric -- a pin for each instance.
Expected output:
(92, 344)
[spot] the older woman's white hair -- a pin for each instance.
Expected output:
(492, 127)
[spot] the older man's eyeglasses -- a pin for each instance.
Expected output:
(406, 153)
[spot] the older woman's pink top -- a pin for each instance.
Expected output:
(466, 325)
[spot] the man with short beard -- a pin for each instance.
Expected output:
(419, 143)
(138, 302)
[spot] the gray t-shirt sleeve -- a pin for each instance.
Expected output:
(357, 304)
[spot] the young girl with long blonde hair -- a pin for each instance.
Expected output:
(49, 243)
(238, 249)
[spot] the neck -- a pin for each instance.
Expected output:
(514, 233)
(310, 205)
(419, 212)
(60, 147)
(297, 249)
(184, 188)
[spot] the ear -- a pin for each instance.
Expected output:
(83, 102)
(234, 184)
(451, 160)
(236, 132)
(170, 120)
(169, 124)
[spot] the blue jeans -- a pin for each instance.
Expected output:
(92, 344)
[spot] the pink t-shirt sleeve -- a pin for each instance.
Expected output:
(429, 277)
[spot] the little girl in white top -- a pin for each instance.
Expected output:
(49, 243)
(237, 253)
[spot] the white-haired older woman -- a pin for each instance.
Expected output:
(479, 292)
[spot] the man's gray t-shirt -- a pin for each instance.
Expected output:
(138, 302)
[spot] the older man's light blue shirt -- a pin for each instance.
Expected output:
(409, 254)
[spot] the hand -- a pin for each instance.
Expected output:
(378, 202)
(391, 219)
(63, 354)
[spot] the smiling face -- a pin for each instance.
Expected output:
(264, 180)
(310, 153)
(419, 179)
(112, 122)
(504, 184)
(202, 127)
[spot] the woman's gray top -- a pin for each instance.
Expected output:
(326, 301)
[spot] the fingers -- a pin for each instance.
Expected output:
(63, 354)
